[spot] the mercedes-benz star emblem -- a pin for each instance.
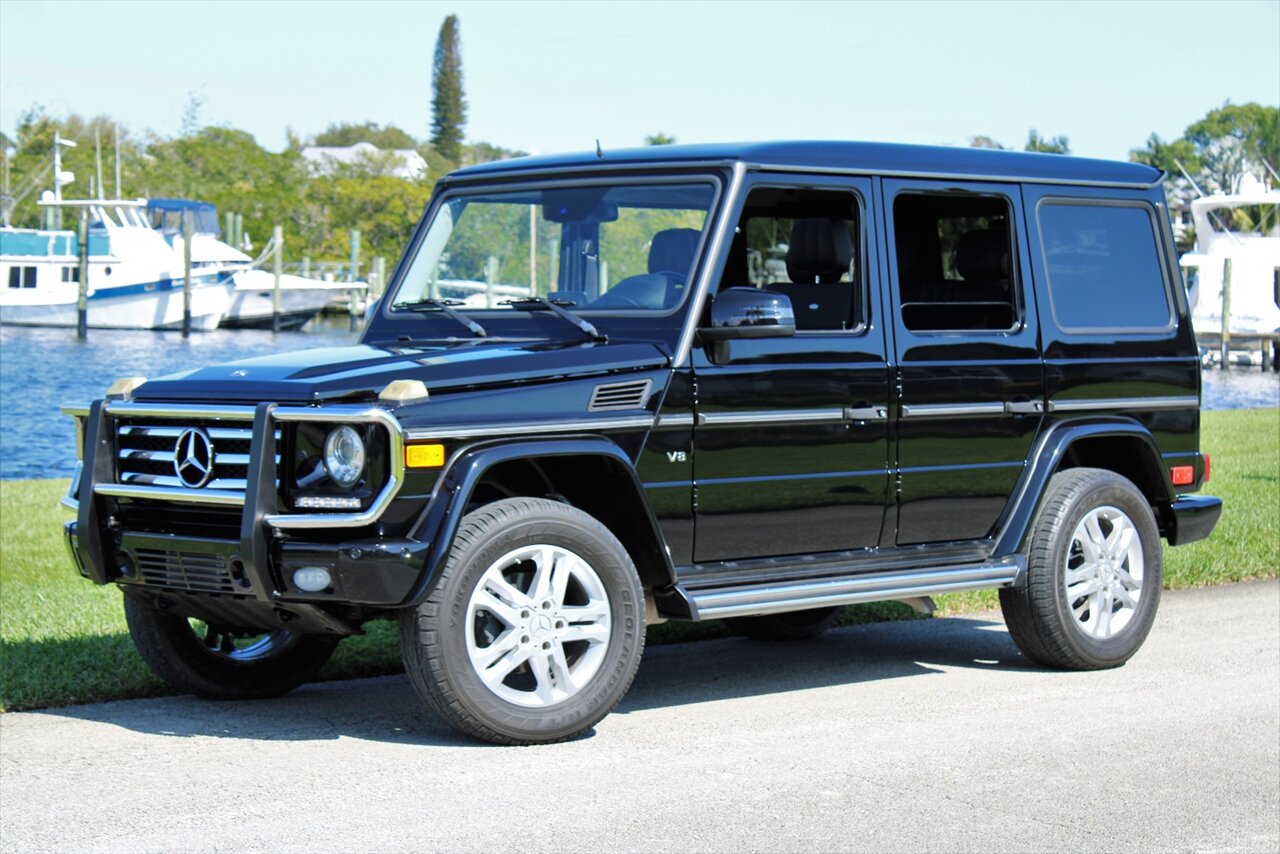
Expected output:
(193, 458)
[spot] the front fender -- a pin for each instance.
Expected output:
(1046, 459)
(439, 523)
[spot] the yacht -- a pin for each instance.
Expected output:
(1243, 227)
(135, 280)
(252, 298)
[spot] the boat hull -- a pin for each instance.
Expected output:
(155, 305)
(300, 300)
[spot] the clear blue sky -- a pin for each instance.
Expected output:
(552, 77)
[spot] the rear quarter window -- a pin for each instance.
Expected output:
(1104, 267)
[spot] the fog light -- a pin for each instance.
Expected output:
(327, 502)
(312, 579)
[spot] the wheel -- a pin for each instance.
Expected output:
(1094, 570)
(793, 625)
(535, 629)
(219, 662)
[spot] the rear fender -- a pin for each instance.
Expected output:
(1048, 458)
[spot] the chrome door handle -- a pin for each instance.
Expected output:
(1024, 407)
(866, 413)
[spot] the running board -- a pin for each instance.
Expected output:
(773, 598)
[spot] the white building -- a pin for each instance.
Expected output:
(396, 162)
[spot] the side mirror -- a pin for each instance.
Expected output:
(749, 313)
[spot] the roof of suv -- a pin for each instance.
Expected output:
(871, 157)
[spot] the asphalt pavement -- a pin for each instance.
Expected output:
(925, 736)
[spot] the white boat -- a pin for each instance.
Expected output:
(252, 299)
(1254, 253)
(134, 279)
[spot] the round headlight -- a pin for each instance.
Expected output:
(344, 456)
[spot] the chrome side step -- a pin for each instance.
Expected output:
(773, 598)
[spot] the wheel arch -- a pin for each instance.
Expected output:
(589, 472)
(1120, 445)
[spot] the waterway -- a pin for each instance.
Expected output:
(41, 369)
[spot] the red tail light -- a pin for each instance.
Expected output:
(1208, 467)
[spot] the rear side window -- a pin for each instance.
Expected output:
(1104, 267)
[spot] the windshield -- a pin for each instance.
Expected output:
(614, 247)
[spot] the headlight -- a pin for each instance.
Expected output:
(344, 456)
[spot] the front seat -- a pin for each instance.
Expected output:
(670, 256)
(819, 254)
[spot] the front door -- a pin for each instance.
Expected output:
(969, 378)
(791, 434)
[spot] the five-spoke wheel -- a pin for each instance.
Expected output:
(1093, 575)
(535, 628)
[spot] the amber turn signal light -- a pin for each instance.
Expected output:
(424, 456)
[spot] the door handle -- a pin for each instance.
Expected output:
(1024, 407)
(866, 413)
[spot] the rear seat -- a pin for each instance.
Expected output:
(980, 300)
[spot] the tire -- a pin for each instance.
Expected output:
(790, 626)
(1091, 588)
(220, 663)
(549, 673)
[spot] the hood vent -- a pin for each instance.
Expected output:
(615, 396)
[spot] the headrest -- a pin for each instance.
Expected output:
(982, 255)
(820, 251)
(672, 251)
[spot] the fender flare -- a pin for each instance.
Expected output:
(1046, 458)
(439, 522)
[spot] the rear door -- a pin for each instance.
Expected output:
(969, 378)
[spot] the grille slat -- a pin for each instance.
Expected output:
(147, 452)
(197, 572)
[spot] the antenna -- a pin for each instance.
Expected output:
(115, 129)
(599, 150)
(1190, 180)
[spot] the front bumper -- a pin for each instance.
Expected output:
(241, 549)
(1193, 518)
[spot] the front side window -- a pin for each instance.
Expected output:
(619, 247)
(1104, 267)
(806, 244)
(955, 262)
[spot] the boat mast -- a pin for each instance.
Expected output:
(60, 177)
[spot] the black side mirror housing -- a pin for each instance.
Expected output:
(749, 313)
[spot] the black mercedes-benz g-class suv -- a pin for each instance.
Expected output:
(753, 382)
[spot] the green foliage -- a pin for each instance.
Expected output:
(659, 138)
(342, 134)
(1056, 145)
(228, 168)
(383, 208)
(449, 107)
(1218, 150)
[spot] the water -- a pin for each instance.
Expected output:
(40, 369)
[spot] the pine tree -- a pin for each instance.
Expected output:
(448, 107)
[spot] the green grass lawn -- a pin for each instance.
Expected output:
(63, 640)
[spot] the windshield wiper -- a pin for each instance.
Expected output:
(445, 307)
(554, 306)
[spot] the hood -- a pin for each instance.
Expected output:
(362, 371)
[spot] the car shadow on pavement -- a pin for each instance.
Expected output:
(386, 709)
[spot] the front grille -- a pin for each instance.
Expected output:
(148, 450)
(197, 572)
